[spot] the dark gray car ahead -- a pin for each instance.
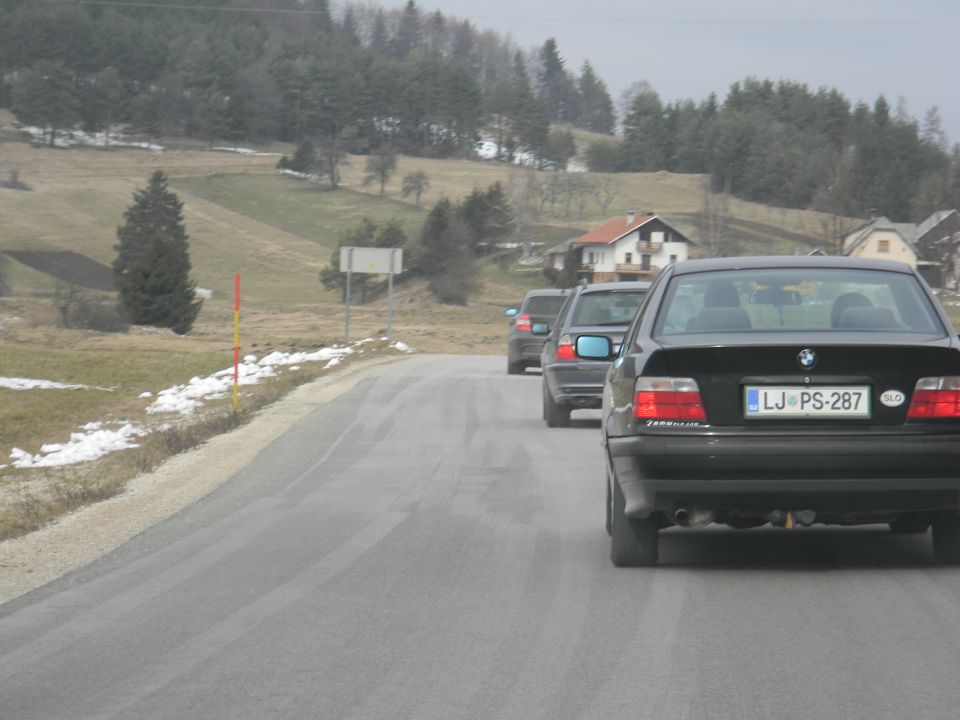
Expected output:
(570, 382)
(783, 390)
(539, 308)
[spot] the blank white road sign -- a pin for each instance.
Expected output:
(371, 260)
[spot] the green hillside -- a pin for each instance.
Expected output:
(244, 216)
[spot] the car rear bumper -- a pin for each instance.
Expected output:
(847, 473)
(576, 383)
(525, 349)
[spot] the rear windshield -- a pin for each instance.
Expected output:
(611, 307)
(828, 299)
(544, 305)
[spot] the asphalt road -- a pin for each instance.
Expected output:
(424, 547)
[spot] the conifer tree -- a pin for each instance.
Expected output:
(43, 95)
(152, 268)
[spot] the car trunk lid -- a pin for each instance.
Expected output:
(724, 373)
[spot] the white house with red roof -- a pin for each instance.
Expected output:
(627, 247)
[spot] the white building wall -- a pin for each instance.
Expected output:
(898, 249)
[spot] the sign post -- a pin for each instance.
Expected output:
(346, 314)
(377, 261)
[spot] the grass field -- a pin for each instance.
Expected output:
(244, 217)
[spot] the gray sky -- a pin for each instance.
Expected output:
(688, 48)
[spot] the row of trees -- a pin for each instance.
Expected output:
(784, 144)
(289, 70)
(452, 237)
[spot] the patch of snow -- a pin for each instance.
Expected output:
(203, 293)
(244, 151)
(13, 383)
(489, 150)
(93, 442)
(298, 358)
(188, 398)
(71, 138)
(402, 347)
(300, 175)
(145, 395)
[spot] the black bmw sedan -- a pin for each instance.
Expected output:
(782, 390)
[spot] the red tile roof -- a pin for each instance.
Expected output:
(611, 230)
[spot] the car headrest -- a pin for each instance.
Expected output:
(847, 300)
(720, 318)
(721, 293)
(868, 318)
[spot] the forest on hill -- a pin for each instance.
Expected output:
(427, 84)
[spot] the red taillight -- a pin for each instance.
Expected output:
(935, 397)
(565, 350)
(667, 399)
(523, 323)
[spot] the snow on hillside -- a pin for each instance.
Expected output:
(14, 383)
(71, 138)
(96, 439)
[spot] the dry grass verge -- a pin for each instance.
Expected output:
(32, 499)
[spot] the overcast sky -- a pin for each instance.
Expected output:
(689, 48)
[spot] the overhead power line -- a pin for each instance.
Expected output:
(618, 20)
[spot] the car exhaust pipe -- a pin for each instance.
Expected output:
(692, 517)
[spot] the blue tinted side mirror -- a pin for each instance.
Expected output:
(512, 312)
(594, 347)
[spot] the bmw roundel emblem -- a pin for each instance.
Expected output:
(807, 359)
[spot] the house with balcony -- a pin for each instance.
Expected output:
(630, 247)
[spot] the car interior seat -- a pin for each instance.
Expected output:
(868, 318)
(845, 301)
(721, 310)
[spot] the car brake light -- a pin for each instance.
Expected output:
(523, 323)
(659, 398)
(565, 349)
(935, 397)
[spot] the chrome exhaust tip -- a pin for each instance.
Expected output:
(693, 517)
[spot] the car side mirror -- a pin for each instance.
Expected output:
(540, 329)
(512, 312)
(594, 347)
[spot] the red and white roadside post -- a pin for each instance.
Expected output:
(236, 339)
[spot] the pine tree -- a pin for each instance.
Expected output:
(102, 101)
(152, 269)
(596, 106)
(43, 95)
(443, 255)
(408, 31)
(555, 85)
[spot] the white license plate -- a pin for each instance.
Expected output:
(791, 401)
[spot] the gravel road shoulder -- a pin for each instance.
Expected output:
(28, 562)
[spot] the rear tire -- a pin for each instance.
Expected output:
(633, 542)
(911, 524)
(609, 510)
(515, 368)
(946, 539)
(556, 415)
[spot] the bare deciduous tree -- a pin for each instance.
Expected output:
(605, 190)
(380, 166)
(416, 184)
